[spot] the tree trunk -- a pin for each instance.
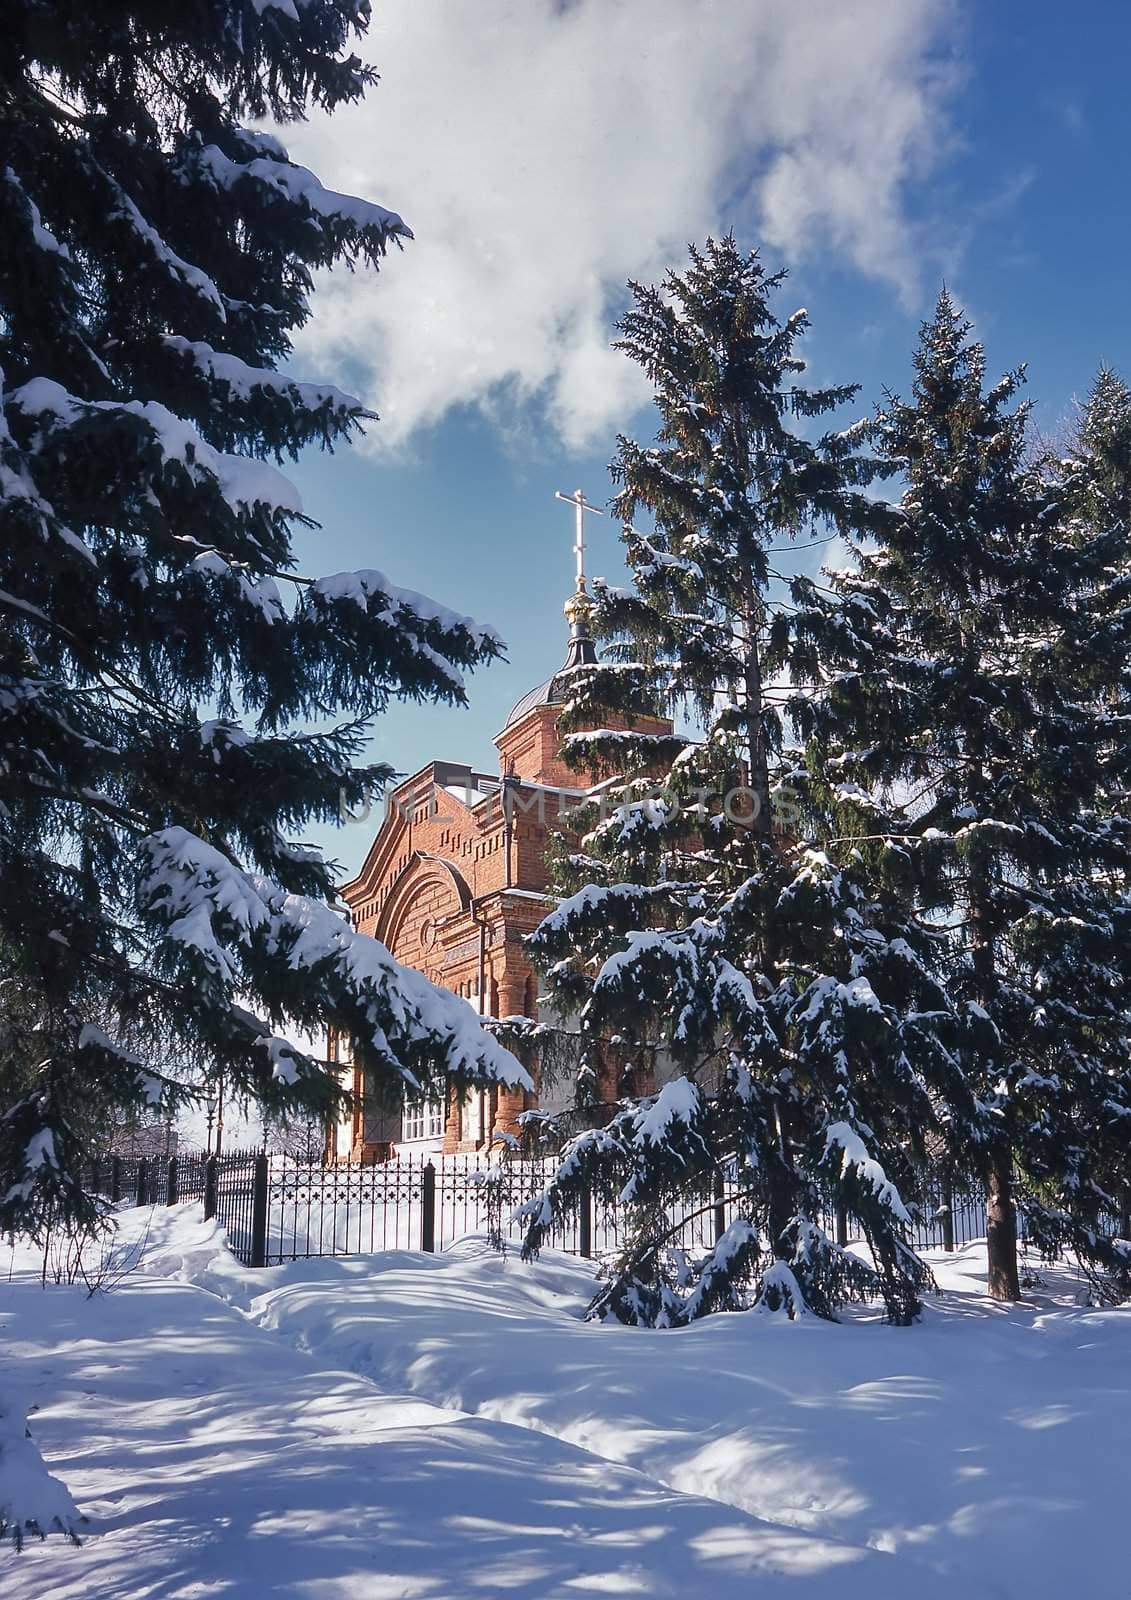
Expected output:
(781, 1187)
(762, 823)
(1001, 1213)
(781, 1206)
(781, 1176)
(1001, 1231)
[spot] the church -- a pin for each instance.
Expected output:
(454, 880)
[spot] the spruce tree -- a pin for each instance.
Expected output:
(1091, 489)
(162, 658)
(947, 683)
(709, 932)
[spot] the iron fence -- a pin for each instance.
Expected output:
(148, 1180)
(128, 1180)
(277, 1208)
(190, 1175)
(234, 1196)
(949, 1214)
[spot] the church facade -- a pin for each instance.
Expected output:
(454, 880)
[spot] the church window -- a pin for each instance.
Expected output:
(422, 1119)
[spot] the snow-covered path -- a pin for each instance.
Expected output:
(246, 1434)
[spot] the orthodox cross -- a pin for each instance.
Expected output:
(581, 506)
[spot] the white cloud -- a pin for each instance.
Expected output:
(544, 152)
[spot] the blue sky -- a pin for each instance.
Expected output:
(1005, 171)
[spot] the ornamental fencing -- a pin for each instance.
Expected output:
(278, 1208)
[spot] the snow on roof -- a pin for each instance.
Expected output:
(466, 795)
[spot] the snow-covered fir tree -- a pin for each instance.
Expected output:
(1090, 1210)
(161, 652)
(33, 1503)
(714, 925)
(959, 681)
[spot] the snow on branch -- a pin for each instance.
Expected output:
(854, 1154)
(287, 1060)
(100, 1050)
(613, 905)
(242, 481)
(226, 917)
(32, 1502)
(259, 594)
(243, 380)
(733, 1259)
(39, 1157)
(441, 638)
(583, 1157)
(300, 186)
(374, 593)
(626, 738)
(827, 992)
(175, 265)
(781, 1293)
(42, 235)
(649, 560)
(677, 1101)
(16, 484)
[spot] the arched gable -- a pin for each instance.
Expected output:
(427, 892)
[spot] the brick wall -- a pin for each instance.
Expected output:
(435, 890)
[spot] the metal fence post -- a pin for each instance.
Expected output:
(116, 1178)
(428, 1209)
(171, 1189)
(211, 1175)
(948, 1213)
(585, 1222)
(259, 1212)
(142, 1182)
(718, 1195)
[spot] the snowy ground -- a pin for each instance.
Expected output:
(434, 1428)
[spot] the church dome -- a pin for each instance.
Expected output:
(543, 694)
(581, 653)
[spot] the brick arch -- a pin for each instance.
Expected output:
(428, 888)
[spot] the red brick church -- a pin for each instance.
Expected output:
(455, 878)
